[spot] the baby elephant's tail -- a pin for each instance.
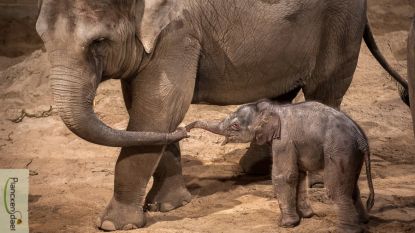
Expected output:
(371, 199)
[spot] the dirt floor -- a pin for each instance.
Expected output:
(72, 180)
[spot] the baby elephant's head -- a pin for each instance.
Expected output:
(237, 127)
(246, 124)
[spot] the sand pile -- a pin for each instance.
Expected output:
(18, 36)
(25, 85)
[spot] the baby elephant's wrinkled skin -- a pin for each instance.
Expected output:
(305, 137)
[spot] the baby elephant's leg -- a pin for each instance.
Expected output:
(346, 214)
(340, 184)
(316, 179)
(303, 206)
(285, 181)
(361, 211)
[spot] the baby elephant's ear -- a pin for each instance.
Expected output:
(276, 126)
(267, 127)
(263, 105)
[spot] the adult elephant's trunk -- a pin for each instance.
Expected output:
(74, 84)
(211, 126)
(411, 70)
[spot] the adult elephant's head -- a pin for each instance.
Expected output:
(89, 41)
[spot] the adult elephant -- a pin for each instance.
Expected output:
(169, 54)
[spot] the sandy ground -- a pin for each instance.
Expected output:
(72, 180)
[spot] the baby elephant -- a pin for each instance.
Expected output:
(305, 137)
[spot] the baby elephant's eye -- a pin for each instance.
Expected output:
(235, 126)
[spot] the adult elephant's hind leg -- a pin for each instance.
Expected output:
(329, 89)
(336, 61)
(337, 57)
(329, 92)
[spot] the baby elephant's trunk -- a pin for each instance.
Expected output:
(211, 126)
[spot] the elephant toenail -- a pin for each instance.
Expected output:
(166, 207)
(98, 222)
(108, 226)
(129, 227)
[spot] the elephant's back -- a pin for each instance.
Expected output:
(312, 123)
(341, 131)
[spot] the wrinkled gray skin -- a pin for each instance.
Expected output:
(169, 54)
(305, 137)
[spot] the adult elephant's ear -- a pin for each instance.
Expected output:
(267, 127)
(156, 16)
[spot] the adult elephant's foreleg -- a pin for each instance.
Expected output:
(125, 210)
(157, 101)
(136, 165)
(168, 191)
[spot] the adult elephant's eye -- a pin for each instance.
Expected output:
(98, 42)
(99, 45)
(100, 39)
